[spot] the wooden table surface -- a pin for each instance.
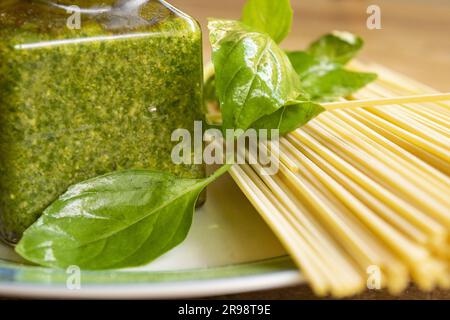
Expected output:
(414, 40)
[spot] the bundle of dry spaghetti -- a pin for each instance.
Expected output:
(363, 190)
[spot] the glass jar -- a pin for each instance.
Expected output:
(89, 87)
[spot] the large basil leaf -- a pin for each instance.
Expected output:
(269, 16)
(117, 220)
(254, 77)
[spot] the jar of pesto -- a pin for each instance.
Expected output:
(89, 87)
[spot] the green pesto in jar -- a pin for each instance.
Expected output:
(78, 103)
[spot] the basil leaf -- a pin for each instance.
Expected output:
(118, 220)
(254, 77)
(338, 47)
(306, 64)
(290, 117)
(336, 83)
(269, 16)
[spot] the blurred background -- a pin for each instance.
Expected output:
(414, 39)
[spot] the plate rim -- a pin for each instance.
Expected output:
(270, 273)
(264, 274)
(174, 290)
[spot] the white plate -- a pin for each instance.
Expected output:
(228, 250)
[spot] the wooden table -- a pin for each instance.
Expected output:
(414, 40)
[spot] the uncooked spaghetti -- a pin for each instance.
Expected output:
(363, 187)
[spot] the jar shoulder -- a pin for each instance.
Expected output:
(28, 21)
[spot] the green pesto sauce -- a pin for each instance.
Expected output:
(70, 112)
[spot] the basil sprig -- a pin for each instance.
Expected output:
(321, 67)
